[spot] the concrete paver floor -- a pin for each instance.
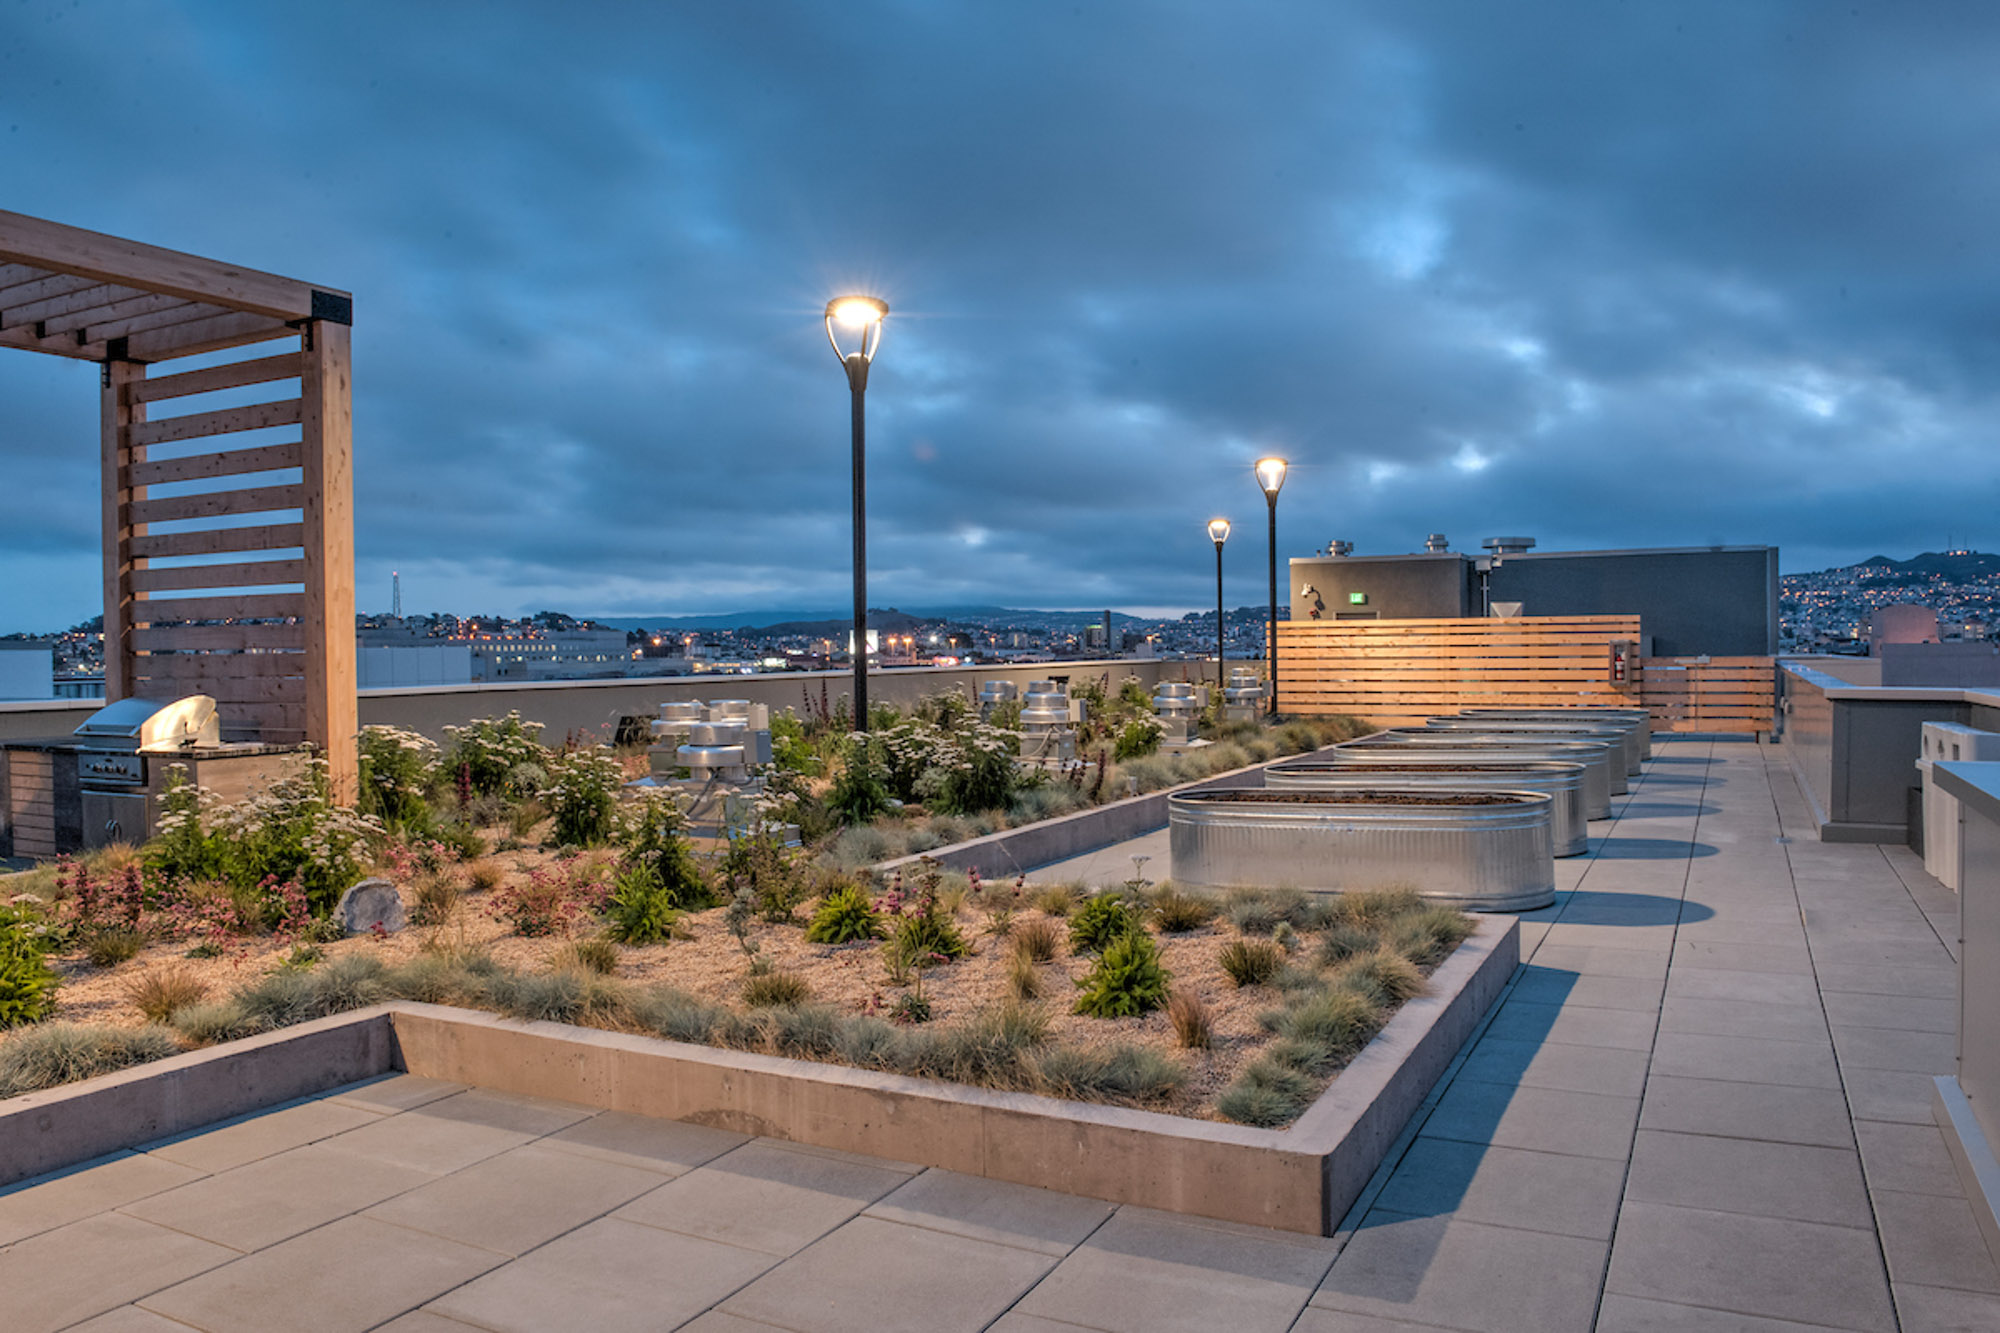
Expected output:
(1703, 1102)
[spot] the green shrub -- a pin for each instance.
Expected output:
(582, 793)
(764, 989)
(859, 793)
(59, 1053)
(1250, 962)
(927, 936)
(27, 983)
(650, 839)
(1101, 919)
(640, 909)
(761, 863)
(844, 915)
(1137, 739)
(502, 756)
(399, 769)
(1126, 980)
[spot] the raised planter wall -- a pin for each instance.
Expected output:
(1298, 1179)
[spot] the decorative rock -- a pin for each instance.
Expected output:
(371, 904)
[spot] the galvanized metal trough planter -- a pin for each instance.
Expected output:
(1443, 747)
(1639, 719)
(1483, 851)
(1561, 782)
(1611, 748)
(1624, 740)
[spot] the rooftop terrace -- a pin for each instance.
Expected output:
(1704, 1101)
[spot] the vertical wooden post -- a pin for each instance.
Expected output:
(120, 414)
(327, 419)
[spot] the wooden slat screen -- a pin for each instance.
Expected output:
(1399, 672)
(228, 627)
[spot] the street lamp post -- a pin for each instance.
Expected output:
(1218, 532)
(862, 316)
(1271, 480)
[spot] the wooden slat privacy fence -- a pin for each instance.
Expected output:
(243, 646)
(1399, 672)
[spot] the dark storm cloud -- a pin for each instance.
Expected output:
(1607, 274)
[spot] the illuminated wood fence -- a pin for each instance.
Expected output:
(1399, 672)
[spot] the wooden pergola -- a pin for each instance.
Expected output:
(228, 559)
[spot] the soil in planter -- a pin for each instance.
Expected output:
(849, 979)
(1381, 796)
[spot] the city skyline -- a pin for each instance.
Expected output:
(1609, 279)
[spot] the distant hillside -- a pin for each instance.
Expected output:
(1953, 566)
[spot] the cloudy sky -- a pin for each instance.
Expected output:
(1609, 274)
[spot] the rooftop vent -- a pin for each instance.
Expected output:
(1339, 548)
(1436, 543)
(1508, 545)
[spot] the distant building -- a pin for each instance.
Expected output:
(404, 666)
(27, 669)
(550, 656)
(1903, 623)
(1718, 600)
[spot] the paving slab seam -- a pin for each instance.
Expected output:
(1625, 1185)
(1101, 1224)
(1839, 1067)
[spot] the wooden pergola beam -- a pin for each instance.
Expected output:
(72, 250)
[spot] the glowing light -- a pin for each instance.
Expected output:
(1271, 475)
(1218, 530)
(857, 312)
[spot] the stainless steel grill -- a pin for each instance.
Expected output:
(116, 748)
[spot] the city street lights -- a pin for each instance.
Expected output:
(860, 316)
(1218, 532)
(1271, 479)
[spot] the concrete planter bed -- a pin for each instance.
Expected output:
(1484, 851)
(1562, 783)
(1298, 1179)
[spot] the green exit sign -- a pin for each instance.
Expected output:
(1357, 599)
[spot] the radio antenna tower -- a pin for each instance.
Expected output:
(396, 596)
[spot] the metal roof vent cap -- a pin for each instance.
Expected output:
(1338, 547)
(1508, 545)
(1437, 544)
